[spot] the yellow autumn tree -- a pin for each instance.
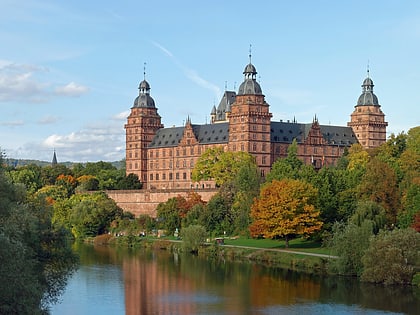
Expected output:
(285, 208)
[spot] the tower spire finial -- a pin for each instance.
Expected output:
(368, 68)
(250, 53)
(144, 71)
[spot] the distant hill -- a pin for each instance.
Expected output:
(23, 162)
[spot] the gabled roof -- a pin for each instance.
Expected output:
(205, 134)
(287, 131)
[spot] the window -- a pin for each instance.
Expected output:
(157, 176)
(151, 176)
(184, 175)
(164, 176)
(177, 176)
(170, 176)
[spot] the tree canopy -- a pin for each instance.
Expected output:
(285, 208)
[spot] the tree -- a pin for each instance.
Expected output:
(93, 214)
(36, 259)
(349, 243)
(192, 237)
(131, 181)
(168, 215)
(285, 208)
(369, 211)
(379, 184)
(87, 182)
(357, 157)
(289, 167)
(215, 164)
(216, 216)
(247, 185)
(392, 257)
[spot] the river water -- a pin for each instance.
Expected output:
(123, 281)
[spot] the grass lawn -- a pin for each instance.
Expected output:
(297, 244)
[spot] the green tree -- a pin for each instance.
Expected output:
(392, 257)
(29, 175)
(349, 243)
(357, 157)
(168, 216)
(216, 217)
(93, 215)
(131, 181)
(193, 237)
(369, 211)
(36, 259)
(215, 164)
(285, 208)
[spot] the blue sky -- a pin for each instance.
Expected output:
(69, 70)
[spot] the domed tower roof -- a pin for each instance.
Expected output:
(367, 97)
(250, 84)
(144, 99)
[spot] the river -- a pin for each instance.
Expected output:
(145, 282)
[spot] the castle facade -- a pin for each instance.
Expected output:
(163, 158)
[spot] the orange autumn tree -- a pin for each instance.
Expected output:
(285, 208)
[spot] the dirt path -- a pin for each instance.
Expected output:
(284, 251)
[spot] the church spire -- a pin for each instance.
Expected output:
(54, 159)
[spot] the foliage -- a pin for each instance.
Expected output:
(392, 257)
(290, 167)
(168, 217)
(131, 181)
(29, 175)
(87, 183)
(192, 237)
(350, 243)
(36, 260)
(357, 157)
(285, 208)
(215, 164)
(369, 211)
(216, 216)
(93, 214)
(379, 184)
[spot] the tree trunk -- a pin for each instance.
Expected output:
(286, 239)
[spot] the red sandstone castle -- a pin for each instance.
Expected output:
(163, 158)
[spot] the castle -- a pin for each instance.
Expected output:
(163, 158)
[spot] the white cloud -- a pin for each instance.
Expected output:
(94, 143)
(121, 116)
(72, 89)
(17, 82)
(22, 83)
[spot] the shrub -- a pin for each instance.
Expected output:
(391, 257)
(192, 237)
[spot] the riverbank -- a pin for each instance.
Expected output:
(296, 259)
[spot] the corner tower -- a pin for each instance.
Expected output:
(141, 127)
(368, 120)
(250, 119)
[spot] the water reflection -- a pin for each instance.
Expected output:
(160, 282)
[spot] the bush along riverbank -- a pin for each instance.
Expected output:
(265, 256)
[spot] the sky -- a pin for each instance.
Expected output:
(70, 70)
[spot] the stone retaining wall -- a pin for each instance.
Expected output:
(145, 201)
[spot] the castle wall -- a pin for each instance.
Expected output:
(145, 201)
